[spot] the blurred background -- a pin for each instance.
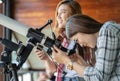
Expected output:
(35, 13)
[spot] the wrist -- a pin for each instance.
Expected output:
(70, 65)
(66, 60)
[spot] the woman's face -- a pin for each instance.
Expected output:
(64, 11)
(84, 40)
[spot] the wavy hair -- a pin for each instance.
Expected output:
(75, 8)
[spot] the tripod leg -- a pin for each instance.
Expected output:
(14, 72)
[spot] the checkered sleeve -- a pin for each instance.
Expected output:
(108, 47)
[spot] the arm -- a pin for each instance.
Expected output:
(49, 65)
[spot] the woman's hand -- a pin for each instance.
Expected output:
(60, 56)
(41, 54)
(74, 57)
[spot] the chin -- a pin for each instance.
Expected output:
(61, 26)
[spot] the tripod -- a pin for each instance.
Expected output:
(10, 69)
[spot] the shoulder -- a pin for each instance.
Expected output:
(110, 27)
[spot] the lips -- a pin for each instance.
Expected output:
(59, 21)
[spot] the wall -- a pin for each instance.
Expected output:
(35, 13)
(1, 69)
(1, 34)
(102, 10)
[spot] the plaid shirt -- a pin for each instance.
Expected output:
(107, 67)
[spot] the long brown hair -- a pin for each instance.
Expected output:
(84, 24)
(75, 8)
(81, 23)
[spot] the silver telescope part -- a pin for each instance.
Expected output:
(13, 25)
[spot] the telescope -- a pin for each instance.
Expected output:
(36, 38)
